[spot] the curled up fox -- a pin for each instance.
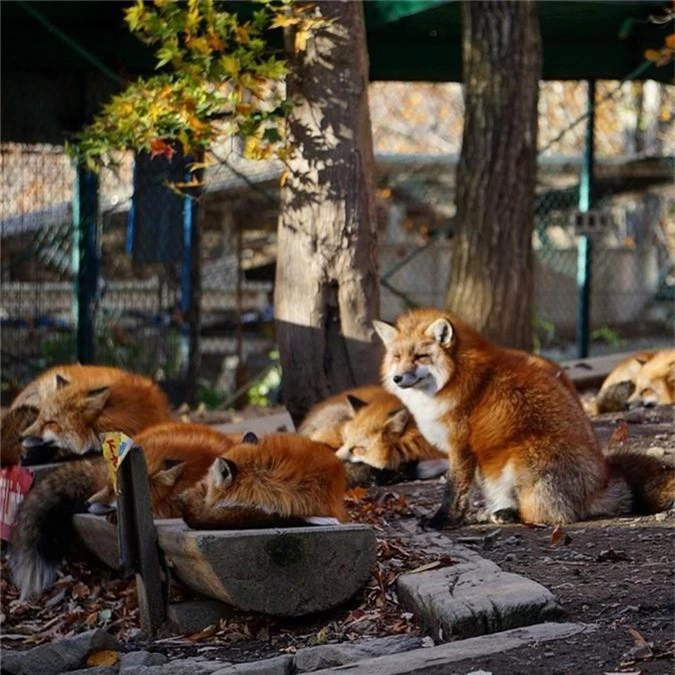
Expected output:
(516, 426)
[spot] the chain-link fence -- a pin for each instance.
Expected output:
(142, 295)
(632, 268)
(35, 286)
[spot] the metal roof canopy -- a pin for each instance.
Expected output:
(49, 60)
(407, 39)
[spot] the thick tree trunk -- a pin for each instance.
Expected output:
(491, 283)
(327, 286)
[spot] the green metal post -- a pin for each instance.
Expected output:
(585, 250)
(85, 262)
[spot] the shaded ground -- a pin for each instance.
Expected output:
(616, 573)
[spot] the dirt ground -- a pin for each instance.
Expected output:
(617, 574)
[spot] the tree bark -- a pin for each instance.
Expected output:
(491, 282)
(327, 285)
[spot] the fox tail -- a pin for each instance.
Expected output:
(43, 529)
(651, 481)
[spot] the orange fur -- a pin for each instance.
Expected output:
(619, 385)
(323, 423)
(94, 400)
(177, 456)
(283, 477)
(498, 413)
(45, 384)
(655, 381)
(13, 422)
(382, 434)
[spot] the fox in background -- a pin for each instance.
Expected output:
(177, 455)
(368, 425)
(643, 379)
(517, 426)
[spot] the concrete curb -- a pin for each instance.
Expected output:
(435, 660)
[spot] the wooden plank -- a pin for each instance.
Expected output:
(591, 372)
(139, 550)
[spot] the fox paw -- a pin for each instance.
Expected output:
(505, 516)
(439, 521)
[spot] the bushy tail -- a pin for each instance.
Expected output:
(43, 529)
(651, 480)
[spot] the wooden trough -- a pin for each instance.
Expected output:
(280, 571)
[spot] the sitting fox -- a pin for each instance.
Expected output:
(177, 455)
(499, 415)
(279, 480)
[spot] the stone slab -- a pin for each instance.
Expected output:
(279, 571)
(265, 424)
(437, 660)
(473, 596)
(58, 657)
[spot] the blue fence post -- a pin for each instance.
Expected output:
(190, 296)
(585, 249)
(85, 262)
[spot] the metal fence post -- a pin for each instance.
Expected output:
(190, 297)
(86, 253)
(585, 249)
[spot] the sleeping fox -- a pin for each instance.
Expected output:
(279, 480)
(501, 416)
(84, 401)
(324, 422)
(177, 455)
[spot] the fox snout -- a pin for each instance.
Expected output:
(29, 442)
(406, 380)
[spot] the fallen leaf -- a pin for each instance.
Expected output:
(424, 568)
(638, 640)
(556, 535)
(104, 657)
(620, 435)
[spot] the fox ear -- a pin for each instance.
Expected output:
(398, 420)
(61, 382)
(250, 437)
(96, 399)
(355, 403)
(223, 472)
(442, 331)
(169, 474)
(386, 331)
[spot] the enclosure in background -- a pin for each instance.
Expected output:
(139, 323)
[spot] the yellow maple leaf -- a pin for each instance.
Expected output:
(103, 657)
(301, 37)
(670, 41)
(230, 65)
(281, 21)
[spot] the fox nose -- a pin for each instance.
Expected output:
(32, 441)
(398, 379)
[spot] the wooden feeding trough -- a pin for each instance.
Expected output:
(280, 571)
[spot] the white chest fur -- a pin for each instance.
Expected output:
(428, 412)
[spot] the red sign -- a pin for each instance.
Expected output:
(15, 482)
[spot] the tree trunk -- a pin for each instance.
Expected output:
(491, 283)
(327, 286)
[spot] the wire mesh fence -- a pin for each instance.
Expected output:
(140, 299)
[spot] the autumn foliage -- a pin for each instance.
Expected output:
(218, 76)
